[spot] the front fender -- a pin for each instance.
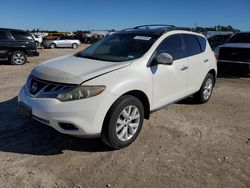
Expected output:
(125, 80)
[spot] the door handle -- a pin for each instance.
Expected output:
(205, 61)
(184, 68)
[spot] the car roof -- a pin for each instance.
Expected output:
(244, 32)
(9, 29)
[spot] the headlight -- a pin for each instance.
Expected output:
(81, 92)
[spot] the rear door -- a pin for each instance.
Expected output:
(4, 44)
(170, 81)
(198, 63)
(22, 39)
(68, 42)
(59, 42)
(63, 42)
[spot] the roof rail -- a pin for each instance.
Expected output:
(148, 26)
(183, 28)
(165, 28)
(153, 25)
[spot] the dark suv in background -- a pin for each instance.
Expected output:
(234, 56)
(217, 40)
(16, 45)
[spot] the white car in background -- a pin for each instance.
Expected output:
(109, 88)
(62, 42)
(38, 39)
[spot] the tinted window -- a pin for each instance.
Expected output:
(240, 38)
(3, 36)
(192, 45)
(21, 35)
(173, 46)
(203, 42)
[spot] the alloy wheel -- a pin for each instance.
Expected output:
(208, 88)
(127, 123)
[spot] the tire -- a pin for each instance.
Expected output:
(205, 92)
(18, 58)
(74, 45)
(121, 134)
(52, 45)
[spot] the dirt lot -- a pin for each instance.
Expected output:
(184, 145)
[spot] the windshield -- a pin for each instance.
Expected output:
(119, 47)
(240, 38)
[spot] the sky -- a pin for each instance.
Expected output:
(72, 15)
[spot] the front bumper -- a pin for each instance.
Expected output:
(32, 53)
(87, 115)
(233, 62)
(233, 67)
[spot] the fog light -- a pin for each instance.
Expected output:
(68, 126)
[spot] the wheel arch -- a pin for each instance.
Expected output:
(144, 100)
(139, 95)
(52, 43)
(213, 72)
(17, 49)
(135, 93)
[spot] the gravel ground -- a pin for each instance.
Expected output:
(183, 145)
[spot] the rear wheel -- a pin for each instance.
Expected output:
(204, 94)
(74, 45)
(123, 122)
(18, 58)
(52, 45)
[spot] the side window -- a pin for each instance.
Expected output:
(20, 35)
(203, 43)
(3, 36)
(173, 46)
(192, 45)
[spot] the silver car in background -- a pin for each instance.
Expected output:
(61, 42)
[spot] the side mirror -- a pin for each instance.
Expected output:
(164, 58)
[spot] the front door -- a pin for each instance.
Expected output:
(4, 44)
(170, 81)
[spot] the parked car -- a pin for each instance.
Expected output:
(234, 56)
(109, 88)
(38, 39)
(16, 45)
(217, 40)
(91, 38)
(61, 42)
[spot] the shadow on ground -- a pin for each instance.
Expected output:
(4, 62)
(19, 134)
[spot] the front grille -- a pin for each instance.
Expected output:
(41, 88)
(35, 86)
(235, 54)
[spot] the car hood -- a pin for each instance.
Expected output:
(235, 45)
(74, 70)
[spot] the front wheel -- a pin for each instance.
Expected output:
(205, 92)
(18, 58)
(123, 122)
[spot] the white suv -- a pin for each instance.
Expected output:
(109, 88)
